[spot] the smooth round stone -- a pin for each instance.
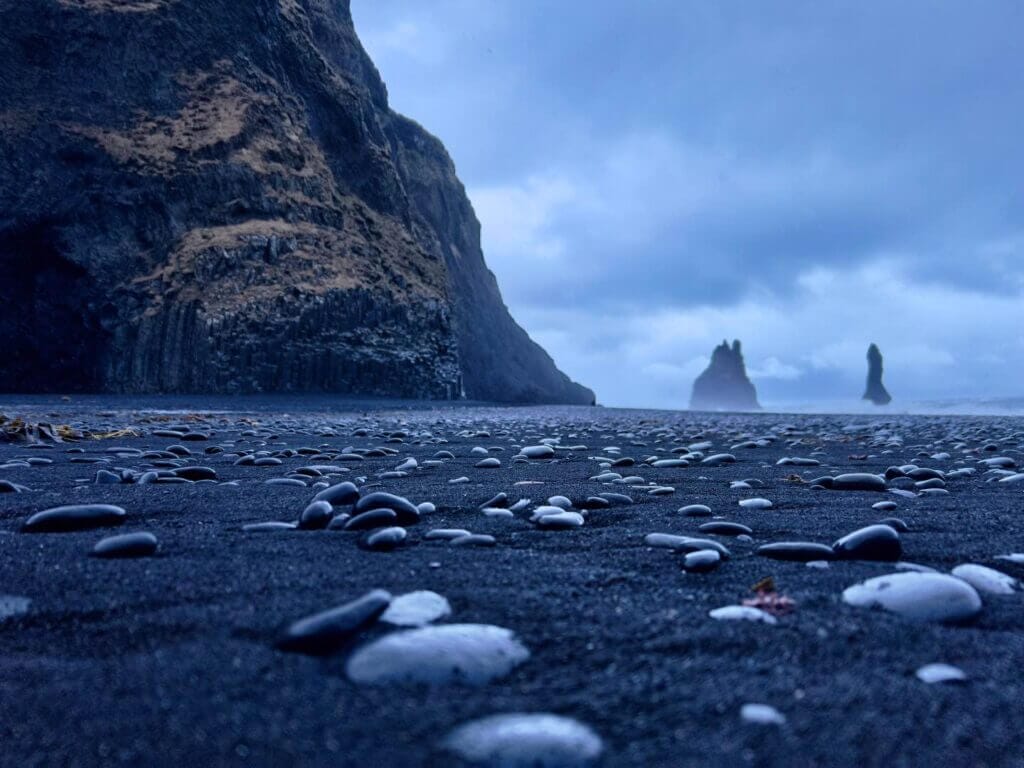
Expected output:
(426, 508)
(316, 515)
(896, 524)
(755, 504)
(670, 463)
(718, 459)
(917, 596)
(661, 490)
(796, 551)
(685, 543)
(884, 506)
(761, 714)
(13, 605)
(875, 542)
(858, 481)
(445, 534)
(560, 501)
(372, 518)
(474, 540)
(196, 473)
(406, 511)
(560, 521)
(702, 561)
(473, 654)
(415, 609)
(742, 613)
(616, 498)
(696, 510)
(339, 495)
(6, 486)
(490, 463)
(106, 477)
(141, 544)
(325, 632)
(499, 512)
(723, 528)
(76, 517)
(269, 527)
(987, 580)
(940, 673)
(537, 452)
(384, 539)
(519, 740)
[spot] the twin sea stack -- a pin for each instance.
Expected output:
(214, 196)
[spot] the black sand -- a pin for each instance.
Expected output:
(170, 660)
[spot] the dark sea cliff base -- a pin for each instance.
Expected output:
(171, 659)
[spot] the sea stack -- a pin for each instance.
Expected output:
(876, 391)
(724, 385)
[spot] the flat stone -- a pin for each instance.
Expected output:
(405, 510)
(384, 539)
(269, 527)
(339, 495)
(742, 613)
(701, 561)
(370, 519)
(918, 596)
(696, 510)
(491, 463)
(141, 544)
(76, 517)
(858, 481)
(724, 528)
(560, 521)
(415, 609)
(326, 632)
(538, 452)
(520, 740)
(317, 515)
(940, 673)
(987, 580)
(755, 504)
(761, 714)
(474, 540)
(472, 654)
(875, 542)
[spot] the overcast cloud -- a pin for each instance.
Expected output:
(654, 176)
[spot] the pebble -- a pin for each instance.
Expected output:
(326, 632)
(316, 515)
(755, 504)
(445, 534)
(875, 542)
(269, 527)
(884, 506)
(918, 596)
(339, 495)
(415, 609)
(474, 540)
(684, 543)
(538, 452)
(761, 714)
(560, 521)
(490, 463)
(141, 544)
(940, 673)
(372, 518)
(472, 654)
(384, 539)
(858, 481)
(742, 613)
(723, 528)
(702, 561)
(76, 517)
(12, 606)
(987, 580)
(718, 459)
(525, 740)
(405, 510)
(696, 510)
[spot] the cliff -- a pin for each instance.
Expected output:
(724, 386)
(213, 195)
(875, 390)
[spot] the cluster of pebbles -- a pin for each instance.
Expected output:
(346, 479)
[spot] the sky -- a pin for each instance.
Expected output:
(809, 177)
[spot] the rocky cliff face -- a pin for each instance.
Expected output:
(724, 384)
(875, 391)
(213, 195)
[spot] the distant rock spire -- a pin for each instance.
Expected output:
(876, 391)
(724, 385)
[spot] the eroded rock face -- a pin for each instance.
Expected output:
(876, 391)
(215, 196)
(724, 384)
